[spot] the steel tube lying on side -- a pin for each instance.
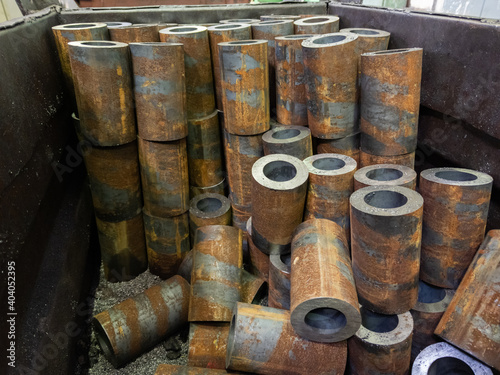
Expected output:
(208, 345)
(166, 369)
(385, 174)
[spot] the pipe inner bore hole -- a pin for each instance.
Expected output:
(365, 32)
(305, 36)
(385, 199)
(449, 366)
(184, 29)
(271, 22)
(280, 171)
(429, 294)
(328, 164)
(389, 52)
(286, 134)
(209, 204)
(384, 174)
(80, 25)
(115, 23)
(314, 20)
(244, 42)
(329, 39)
(286, 259)
(377, 322)
(242, 20)
(456, 176)
(104, 342)
(98, 44)
(326, 318)
(218, 27)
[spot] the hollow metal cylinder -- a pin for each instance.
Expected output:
(165, 25)
(137, 33)
(259, 262)
(332, 94)
(324, 306)
(103, 87)
(240, 213)
(442, 358)
(386, 231)
(160, 94)
(241, 20)
(241, 153)
(385, 174)
(205, 151)
(289, 140)
(279, 187)
(366, 159)
(271, 17)
(382, 344)
(216, 276)
(208, 345)
(330, 186)
(369, 40)
(114, 25)
(262, 340)
(456, 209)
(167, 241)
(167, 369)
(317, 25)
(291, 96)
(254, 289)
(74, 32)
(279, 281)
(198, 66)
(208, 209)
(224, 33)
(431, 304)
(219, 188)
(164, 172)
(123, 248)
(135, 325)
(245, 86)
(389, 122)
(471, 320)
(348, 146)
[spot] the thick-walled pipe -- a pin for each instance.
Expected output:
(317, 25)
(366, 159)
(219, 188)
(245, 86)
(208, 209)
(135, 325)
(166, 369)
(208, 345)
(262, 340)
(382, 344)
(160, 94)
(456, 209)
(289, 140)
(386, 230)
(324, 306)
(137, 33)
(254, 289)
(332, 94)
(102, 76)
(279, 187)
(348, 146)
(279, 281)
(259, 262)
(385, 174)
(471, 320)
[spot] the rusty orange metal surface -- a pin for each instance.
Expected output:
(386, 231)
(279, 281)
(135, 325)
(240, 214)
(262, 340)
(164, 172)
(455, 214)
(259, 262)
(166, 369)
(219, 188)
(208, 209)
(317, 24)
(208, 345)
(324, 306)
(290, 140)
(348, 146)
(385, 174)
(137, 33)
(160, 94)
(366, 159)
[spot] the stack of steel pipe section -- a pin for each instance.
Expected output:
(208, 209)
(442, 358)
(329, 189)
(103, 87)
(289, 140)
(137, 33)
(348, 146)
(471, 320)
(137, 324)
(259, 262)
(317, 25)
(208, 345)
(431, 305)
(279, 281)
(382, 344)
(385, 174)
(324, 306)
(262, 340)
(389, 122)
(386, 230)
(456, 209)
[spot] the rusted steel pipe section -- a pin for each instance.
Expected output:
(135, 325)
(262, 340)
(456, 210)
(332, 93)
(324, 306)
(386, 230)
(208, 209)
(382, 344)
(330, 186)
(279, 281)
(254, 289)
(205, 151)
(160, 94)
(385, 174)
(442, 358)
(103, 87)
(198, 67)
(166, 369)
(167, 241)
(348, 146)
(389, 122)
(259, 262)
(291, 96)
(186, 267)
(240, 20)
(164, 172)
(219, 188)
(73, 32)
(123, 248)
(366, 159)
(215, 280)
(279, 187)
(245, 86)
(208, 345)
(289, 140)
(317, 25)
(472, 318)
(431, 304)
(219, 34)
(137, 33)
(240, 213)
